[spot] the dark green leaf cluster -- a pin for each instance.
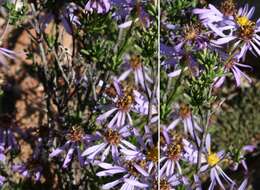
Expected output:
(200, 87)
(15, 15)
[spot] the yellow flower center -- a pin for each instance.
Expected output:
(174, 150)
(131, 168)
(152, 154)
(76, 134)
(213, 159)
(247, 27)
(164, 185)
(125, 102)
(243, 21)
(191, 32)
(184, 111)
(135, 62)
(113, 137)
(230, 64)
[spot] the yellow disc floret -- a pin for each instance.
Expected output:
(246, 27)
(213, 159)
(152, 154)
(243, 21)
(113, 137)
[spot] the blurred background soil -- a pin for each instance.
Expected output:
(23, 96)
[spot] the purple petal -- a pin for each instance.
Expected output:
(243, 185)
(135, 183)
(208, 142)
(141, 170)
(105, 153)
(68, 156)
(223, 40)
(110, 172)
(106, 114)
(57, 151)
(92, 149)
(111, 184)
(125, 24)
(175, 73)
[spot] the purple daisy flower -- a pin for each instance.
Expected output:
(126, 6)
(112, 140)
(75, 139)
(32, 169)
(241, 160)
(233, 66)
(123, 104)
(147, 151)
(132, 178)
(188, 120)
(192, 35)
(100, 6)
(244, 33)
(125, 101)
(140, 72)
(174, 149)
(169, 182)
(211, 161)
(216, 20)
(173, 57)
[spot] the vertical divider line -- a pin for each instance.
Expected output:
(159, 83)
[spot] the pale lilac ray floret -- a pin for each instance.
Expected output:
(243, 33)
(211, 161)
(31, 169)
(147, 150)
(4, 52)
(233, 66)
(100, 6)
(132, 175)
(126, 100)
(174, 149)
(111, 140)
(139, 71)
(189, 121)
(216, 20)
(75, 139)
